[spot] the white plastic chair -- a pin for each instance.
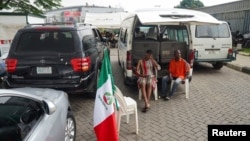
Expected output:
(155, 91)
(127, 107)
(186, 84)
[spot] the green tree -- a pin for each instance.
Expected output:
(190, 4)
(25, 6)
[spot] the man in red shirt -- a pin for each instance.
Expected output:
(178, 71)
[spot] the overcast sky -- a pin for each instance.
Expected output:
(132, 5)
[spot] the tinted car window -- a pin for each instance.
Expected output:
(18, 117)
(61, 42)
(88, 42)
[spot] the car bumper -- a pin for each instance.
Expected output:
(69, 85)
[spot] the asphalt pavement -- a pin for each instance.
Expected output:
(242, 62)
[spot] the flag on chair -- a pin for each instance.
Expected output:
(104, 111)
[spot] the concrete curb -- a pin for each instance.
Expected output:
(238, 67)
(234, 66)
(243, 53)
(246, 70)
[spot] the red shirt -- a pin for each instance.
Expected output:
(178, 68)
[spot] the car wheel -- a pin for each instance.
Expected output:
(218, 65)
(119, 62)
(70, 128)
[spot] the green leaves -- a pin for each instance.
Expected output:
(37, 7)
(190, 4)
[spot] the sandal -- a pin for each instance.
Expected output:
(145, 109)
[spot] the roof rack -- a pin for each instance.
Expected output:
(59, 23)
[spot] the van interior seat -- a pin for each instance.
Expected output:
(141, 46)
(168, 47)
(152, 34)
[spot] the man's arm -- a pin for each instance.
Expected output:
(170, 70)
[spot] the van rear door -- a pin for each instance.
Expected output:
(211, 42)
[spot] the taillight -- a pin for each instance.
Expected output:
(11, 64)
(81, 64)
(129, 61)
(191, 58)
(230, 51)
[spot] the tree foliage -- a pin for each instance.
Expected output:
(190, 4)
(26, 6)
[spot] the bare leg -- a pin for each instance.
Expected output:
(148, 92)
(143, 91)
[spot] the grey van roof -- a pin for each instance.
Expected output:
(163, 16)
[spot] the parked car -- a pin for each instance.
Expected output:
(65, 57)
(2, 68)
(36, 114)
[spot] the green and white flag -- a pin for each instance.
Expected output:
(104, 111)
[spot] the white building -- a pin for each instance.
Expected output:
(78, 13)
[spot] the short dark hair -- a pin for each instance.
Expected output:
(176, 51)
(149, 51)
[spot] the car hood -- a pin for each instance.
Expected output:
(35, 93)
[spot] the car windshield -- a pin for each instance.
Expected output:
(18, 116)
(49, 41)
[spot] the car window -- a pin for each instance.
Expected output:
(18, 116)
(174, 33)
(50, 41)
(212, 31)
(88, 42)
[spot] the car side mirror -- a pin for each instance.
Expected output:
(49, 107)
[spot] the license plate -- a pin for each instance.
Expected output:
(44, 70)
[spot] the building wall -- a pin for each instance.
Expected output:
(236, 13)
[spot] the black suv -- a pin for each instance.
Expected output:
(59, 56)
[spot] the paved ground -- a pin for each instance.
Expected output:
(216, 97)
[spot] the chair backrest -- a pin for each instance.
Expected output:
(119, 96)
(152, 34)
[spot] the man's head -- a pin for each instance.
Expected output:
(177, 54)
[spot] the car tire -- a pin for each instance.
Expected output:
(119, 62)
(218, 65)
(70, 128)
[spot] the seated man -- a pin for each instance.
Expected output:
(178, 71)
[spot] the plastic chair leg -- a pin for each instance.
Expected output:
(187, 88)
(140, 94)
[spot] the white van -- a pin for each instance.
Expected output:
(213, 44)
(162, 31)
